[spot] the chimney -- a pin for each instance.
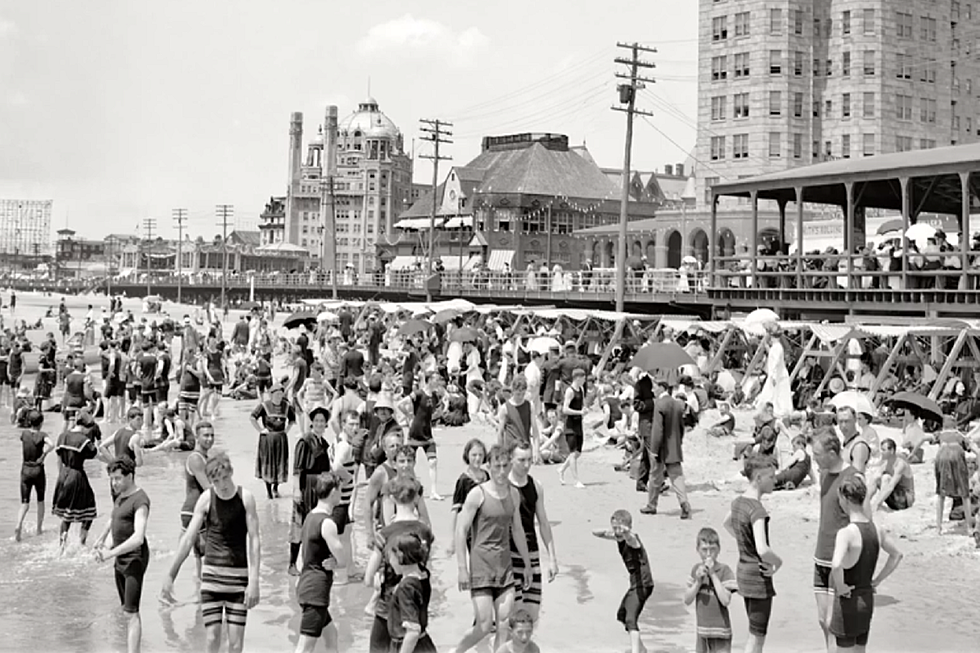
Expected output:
(680, 169)
(328, 170)
(291, 234)
(669, 170)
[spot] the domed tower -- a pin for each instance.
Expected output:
(374, 178)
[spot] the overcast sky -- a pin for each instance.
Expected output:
(120, 110)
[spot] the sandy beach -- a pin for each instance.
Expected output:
(926, 605)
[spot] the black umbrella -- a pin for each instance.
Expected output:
(661, 356)
(411, 327)
(924, 406)
(297, 319)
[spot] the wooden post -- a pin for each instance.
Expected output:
(713, 252)
(849, 233)
(947, 367)
(807, 351)
(609, 347)
(754, 248)
(886, 368)
(965, 281)
(722, 348)
(799, 237)
(906, 216)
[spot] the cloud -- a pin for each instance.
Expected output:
(17, 99)
(422, 35)
(7, 27)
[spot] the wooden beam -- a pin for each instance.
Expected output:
(947, 367)
(722, 348)
(620, 325)
(807, 351)
(922, 202)
(886, 368)
(839, 351)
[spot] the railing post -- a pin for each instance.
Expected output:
(713, 244)
(754, 250)
(799, 238)
(849, 235)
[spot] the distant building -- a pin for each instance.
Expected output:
(25, 233)
(514, 205)
(373, 186)
(272, 221)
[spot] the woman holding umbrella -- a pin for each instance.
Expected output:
(273, 419)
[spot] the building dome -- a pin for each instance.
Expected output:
(369, 121)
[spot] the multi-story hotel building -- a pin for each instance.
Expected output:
(784, 83)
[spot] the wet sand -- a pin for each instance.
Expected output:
(69, 603)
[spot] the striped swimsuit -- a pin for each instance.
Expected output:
(224, 572)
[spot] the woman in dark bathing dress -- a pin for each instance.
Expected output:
(273, 419)
(74, 500)
(310, 459)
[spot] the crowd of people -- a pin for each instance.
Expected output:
(365, 390)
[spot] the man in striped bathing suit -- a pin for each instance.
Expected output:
(230, 572)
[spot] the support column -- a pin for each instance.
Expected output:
(849, 233)
(754, 247)
(799, 237)
(965, 282)
(713, 243)
(782, 224)
(906, 213)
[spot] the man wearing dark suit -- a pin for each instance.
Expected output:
(666, 450)
(643, 403)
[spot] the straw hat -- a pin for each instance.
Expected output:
(384, 401)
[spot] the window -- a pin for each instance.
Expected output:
(846, 65)
(719, 28)
(869, 63)
(830, 67)
(969, 124)
(816, 27)
(828, 108)
(798, 22)
(816, 151)
(845, 23)
(775, 21)
(775, 103)
(741, 103)
(797, 105)
(816, 68)
(798, 63)
(845, 146)
(903, 143)
(775, 62)
(708, 183)
(927, 31)
(869, 21)
(775, 144)
(845, 106)
(927, 143)
(797, 146)
(742, 24)
(718, 107)
(719, 68)
(903, 107)
(740, 146)
(956, 123)
(869, 105)
(869, 145)
(741, 64)
(904, 68)
(816, 108)
(828, 149)
(927, 70)
(927, 110)
(717, 148)
(903, 25)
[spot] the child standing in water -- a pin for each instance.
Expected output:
(641, 578)
(712, 584)
(408, 612)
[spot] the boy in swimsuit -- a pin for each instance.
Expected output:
(641, 579)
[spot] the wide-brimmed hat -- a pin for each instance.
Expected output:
(384, 401)
(320, 410)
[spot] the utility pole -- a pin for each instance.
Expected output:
(149, 226)
(224, 213)
(627, 96)
(180, 216)
(435, 132)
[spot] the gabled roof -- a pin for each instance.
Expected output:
(250, 238)
(537, 170)
(423, 205)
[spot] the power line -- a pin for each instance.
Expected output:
(435, 132)
(225, 213)
(180, 216)
(627, 96)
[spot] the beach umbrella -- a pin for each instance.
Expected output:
(327, 316)
(465, 334)
(411, 327)
(661, 356)
(859, 401)
(920, 404)
(761, 316)
(920, 231)
(446, 315)
(690, 260)
(299, 318)
(544, 344)
(891, 225)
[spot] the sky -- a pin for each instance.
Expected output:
(120, 110)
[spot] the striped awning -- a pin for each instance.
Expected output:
(459, 221)
(500, 256)
(415, 224)
(403, 262)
